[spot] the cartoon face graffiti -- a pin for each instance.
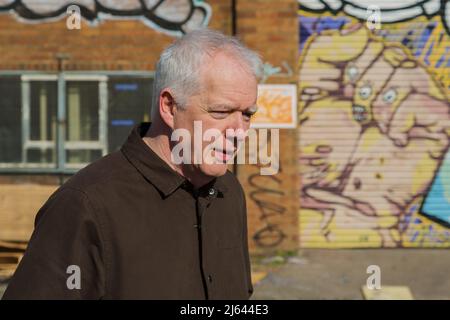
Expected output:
(373, 80)
(324, 156)
(373, 139)
(322, 69)
(173, 16)
(355, 68)
(410, 89)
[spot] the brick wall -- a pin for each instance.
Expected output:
(271, 28)
(112, 45)
(131, 45)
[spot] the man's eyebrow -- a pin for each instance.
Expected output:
(228, 107)
(222, 107)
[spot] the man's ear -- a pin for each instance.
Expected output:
(167, 107)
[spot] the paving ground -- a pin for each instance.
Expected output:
(340, 274)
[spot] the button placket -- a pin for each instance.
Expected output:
(202, 204)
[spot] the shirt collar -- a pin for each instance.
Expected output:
(156, 170)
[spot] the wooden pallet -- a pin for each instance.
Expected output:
(11, 252)
(12, 246)
(8, 263)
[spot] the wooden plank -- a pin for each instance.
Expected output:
(8, 263)
(12, 246)
(19, 204)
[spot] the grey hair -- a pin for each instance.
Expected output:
(179, 64)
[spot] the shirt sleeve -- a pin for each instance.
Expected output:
(65, 256)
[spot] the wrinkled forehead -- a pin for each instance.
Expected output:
(225, 63)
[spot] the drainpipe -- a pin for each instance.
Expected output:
(233, 18)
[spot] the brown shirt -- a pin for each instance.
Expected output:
(137, 230)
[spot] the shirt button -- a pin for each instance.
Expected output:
(209, 278)
(212, 192)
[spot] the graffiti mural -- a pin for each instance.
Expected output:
(390, 12)
(374, 118)
(172, 16)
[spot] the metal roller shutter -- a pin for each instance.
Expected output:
(374, 124)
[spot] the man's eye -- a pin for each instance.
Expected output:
(248, 115)
(219, 114)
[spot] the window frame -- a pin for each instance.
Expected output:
(61, 166)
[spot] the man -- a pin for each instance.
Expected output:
(139, 225)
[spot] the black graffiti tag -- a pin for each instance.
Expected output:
(176, 16)
(270, 235)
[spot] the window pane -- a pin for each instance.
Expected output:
(129, 102)
(43, 122)
(82, 99)
(43, 108)
(10, 120)
(82, 111)
(41, 155)
(82, 156)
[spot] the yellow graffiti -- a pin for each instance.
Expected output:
(440, 49)
(273, 107)
(374, 128)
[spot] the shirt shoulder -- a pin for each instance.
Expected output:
(101, 172)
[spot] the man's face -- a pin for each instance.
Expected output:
(226, 101)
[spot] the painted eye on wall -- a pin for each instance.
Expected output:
(390, 96)
(352, 72)
(365, 92)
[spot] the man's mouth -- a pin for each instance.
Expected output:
(224, 155)
(359, 113)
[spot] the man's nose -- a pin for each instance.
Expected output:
(239, 122)
(237, 128)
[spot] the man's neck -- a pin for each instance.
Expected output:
(158, 140)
